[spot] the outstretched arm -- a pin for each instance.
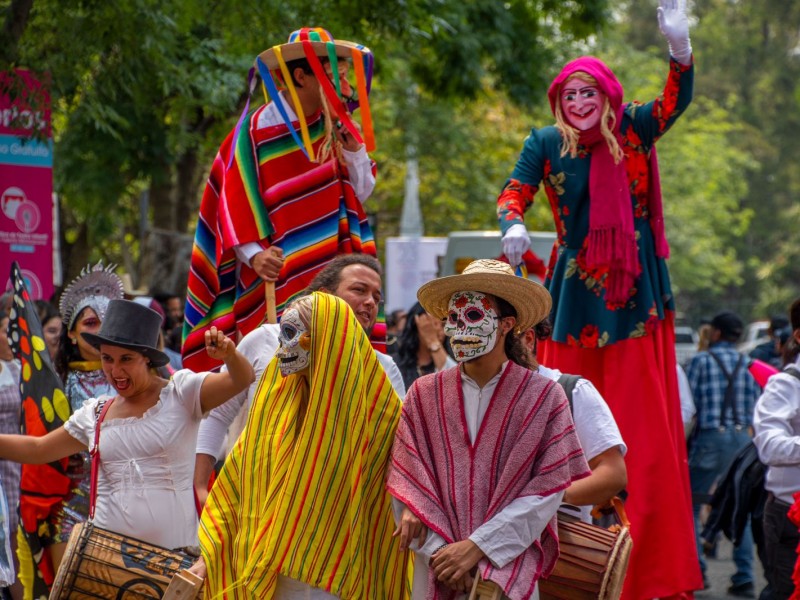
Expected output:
(517, 196)
(35, 450)
(219, 387)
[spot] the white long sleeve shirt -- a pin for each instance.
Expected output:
(776, 421)
(512, 530)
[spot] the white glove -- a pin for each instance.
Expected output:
(674, 24)
(516, 242)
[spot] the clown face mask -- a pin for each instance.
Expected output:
(471, 325)
(582, 104)
(295, 342)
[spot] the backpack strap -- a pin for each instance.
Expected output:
(568, 382)
(793, 371)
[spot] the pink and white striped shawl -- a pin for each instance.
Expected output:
(526, 445)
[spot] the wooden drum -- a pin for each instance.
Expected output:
(102, 564)
(592, 562)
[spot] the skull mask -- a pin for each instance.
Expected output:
(295, 341)
(471, 325)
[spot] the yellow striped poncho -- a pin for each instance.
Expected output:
(302, 492)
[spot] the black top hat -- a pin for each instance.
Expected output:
(133, 326)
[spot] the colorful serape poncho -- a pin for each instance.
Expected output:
(302, 492)
(272, 194)
(526, 445)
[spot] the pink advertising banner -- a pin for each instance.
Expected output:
(26, 182)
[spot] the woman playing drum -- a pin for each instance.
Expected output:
(149, 429)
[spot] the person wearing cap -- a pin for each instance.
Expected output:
(484, 450)
(148, 428)
(613, 306)
(724, 394)
(776, 423)
(286, 189)
(300, 510)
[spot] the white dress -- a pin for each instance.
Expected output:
(147, 465)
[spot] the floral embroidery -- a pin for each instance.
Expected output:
(590, 337)
(594, 277)
(556, 182)
(638, 168)
(665, 106)
(649, 326)
(555, 202)
(514, 200)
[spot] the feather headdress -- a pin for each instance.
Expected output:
(96, 287)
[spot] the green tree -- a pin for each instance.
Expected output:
(750, 64)
(144, 91)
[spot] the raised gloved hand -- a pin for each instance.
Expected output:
(516, 242)
(674, 24)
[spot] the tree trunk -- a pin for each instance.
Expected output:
(186, 194)
(165, 261)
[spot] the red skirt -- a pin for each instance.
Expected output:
(637, 378)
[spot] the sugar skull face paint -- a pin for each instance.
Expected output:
(471, 325)
(295, 342)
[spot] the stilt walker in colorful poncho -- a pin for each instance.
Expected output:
(300, 509)
(484, 450)
(286, 189)
(613, 308)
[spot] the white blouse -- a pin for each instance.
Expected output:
(147, 465)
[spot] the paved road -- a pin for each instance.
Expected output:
(720, 571)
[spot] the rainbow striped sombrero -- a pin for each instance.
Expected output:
(313, 43)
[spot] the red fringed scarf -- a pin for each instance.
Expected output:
(612, 241)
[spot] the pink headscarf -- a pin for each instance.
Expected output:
(612, 241)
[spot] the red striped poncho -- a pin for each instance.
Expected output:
(526, 445)
(271, 194)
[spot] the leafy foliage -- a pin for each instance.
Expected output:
(143, 92)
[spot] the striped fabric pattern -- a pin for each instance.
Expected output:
(526, 445)
(302, 493)
(274, 195)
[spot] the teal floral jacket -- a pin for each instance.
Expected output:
(581, 316)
